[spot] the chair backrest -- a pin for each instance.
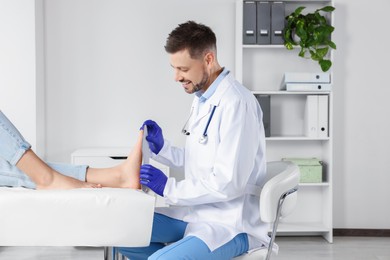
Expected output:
(277, 198)
(281, 177)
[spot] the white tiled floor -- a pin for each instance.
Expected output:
(291, 248)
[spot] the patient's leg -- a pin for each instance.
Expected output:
(45, 177)
(16, 151)
(125, 175)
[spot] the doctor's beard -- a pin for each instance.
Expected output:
(202, 84)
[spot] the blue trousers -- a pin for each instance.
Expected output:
(168, 230)
(12, 148)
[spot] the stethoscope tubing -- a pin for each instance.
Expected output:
(204, 137)
(208, 122)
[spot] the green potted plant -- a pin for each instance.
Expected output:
(312, 33)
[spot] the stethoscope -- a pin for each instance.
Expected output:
(203, 139)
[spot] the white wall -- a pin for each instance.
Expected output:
(362, 124)
(20, 85)
(106, 71)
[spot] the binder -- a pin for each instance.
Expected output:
(249, 22)
(308, 87)
(311, 116)
(295, 77)
(277, 22)
(323, 119)
(263, 23)
(316, 120)
(265, 104)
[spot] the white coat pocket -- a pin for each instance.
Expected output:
(206, 155)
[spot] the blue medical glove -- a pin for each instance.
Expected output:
(154, 137)
(153, 178)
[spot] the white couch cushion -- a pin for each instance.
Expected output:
(77, 217)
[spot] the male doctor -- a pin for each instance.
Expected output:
(216, 213)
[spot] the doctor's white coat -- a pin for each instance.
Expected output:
(214, 197)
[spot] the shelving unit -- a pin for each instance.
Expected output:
(260, 68)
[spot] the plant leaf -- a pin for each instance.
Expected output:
(314, 56)
(301, 30)
(327, 9)
(302, 52)
(321, 52)
(299, 10)
(288, 45)
(325, 65)
(332, 45)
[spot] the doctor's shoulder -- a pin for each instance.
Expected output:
(239, 92)
(236, 85)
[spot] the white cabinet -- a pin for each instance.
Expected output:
(109, 157)
(261, 68)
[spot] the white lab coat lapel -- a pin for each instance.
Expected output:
(208, 106)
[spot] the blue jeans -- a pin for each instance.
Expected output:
(12, 148)
(169, 230)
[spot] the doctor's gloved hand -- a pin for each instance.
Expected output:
(153, 178)
(154, 137)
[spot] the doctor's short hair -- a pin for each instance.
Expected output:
(197, 38)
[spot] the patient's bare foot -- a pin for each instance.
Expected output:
(130, 169)
(124, 175)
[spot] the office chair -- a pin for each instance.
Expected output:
(279, 190)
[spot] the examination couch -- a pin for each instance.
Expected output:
(80, 217)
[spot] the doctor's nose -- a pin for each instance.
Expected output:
(177, 76)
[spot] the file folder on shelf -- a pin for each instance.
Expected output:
(265, 104)
(249, 22)
(263, 23)
(316, 116)
(295, 77)
(277, 22)
(311, 116)
(308, 87)
(323, 120)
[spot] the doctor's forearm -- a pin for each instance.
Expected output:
(191, 193)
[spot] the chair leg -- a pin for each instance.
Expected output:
(116, 255)
(106, 253)
(113, 255)
(276, 222)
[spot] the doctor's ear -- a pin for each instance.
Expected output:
(209, 58)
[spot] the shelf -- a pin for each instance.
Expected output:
(301, 1)
(307, 228)
(295, 138)
(284, 92)
(265, 46)
(302, 227)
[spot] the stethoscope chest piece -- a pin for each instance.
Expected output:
(203, 139)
